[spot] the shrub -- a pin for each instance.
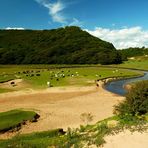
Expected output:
(136, 102)
(86, 117)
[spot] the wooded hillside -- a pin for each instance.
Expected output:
(69, 45)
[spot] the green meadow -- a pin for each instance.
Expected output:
(37, 76)
(137, 63)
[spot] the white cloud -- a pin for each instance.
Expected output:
(76, 22)
(122, 38)
(15, 28)
(55, 10)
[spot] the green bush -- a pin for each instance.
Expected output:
(136, 102)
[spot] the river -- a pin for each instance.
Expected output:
(118, 85)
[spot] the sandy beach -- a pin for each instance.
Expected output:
(62, 107)
(127, 139)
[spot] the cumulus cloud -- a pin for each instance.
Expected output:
(15, 28)
(55, 10)
(122, 38)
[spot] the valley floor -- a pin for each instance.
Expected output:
(62, 107)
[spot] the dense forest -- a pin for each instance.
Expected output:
(69, 45)
(133, 52)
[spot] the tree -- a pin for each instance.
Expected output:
(136, 102)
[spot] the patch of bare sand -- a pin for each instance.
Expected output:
(61, 107)
(18, 83)
(127, 139)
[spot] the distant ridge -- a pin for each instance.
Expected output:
(69, 45)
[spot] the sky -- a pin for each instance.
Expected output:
(121, 22)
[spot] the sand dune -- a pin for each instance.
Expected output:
(127, 139)
(62, 108)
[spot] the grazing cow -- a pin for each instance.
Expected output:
(38, 74)
(24, 72)
(61, 131)
(32, 75)
(48, 84)
(97, 84)
(38, 71)
(13, 84)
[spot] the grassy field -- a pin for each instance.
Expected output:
(73, 76)
(37, 76)
(13, 118)
(7, 77)
(137, 63)
(34, 140)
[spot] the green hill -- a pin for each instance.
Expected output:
(134, 52)
(69, 45)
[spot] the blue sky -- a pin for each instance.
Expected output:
(96, 16)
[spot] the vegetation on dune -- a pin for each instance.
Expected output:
(35, 140)
(69, 45)
(85, 136)
(15, 118)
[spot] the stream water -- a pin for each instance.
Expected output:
(118, 85)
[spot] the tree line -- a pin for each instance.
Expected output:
(133, 52)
